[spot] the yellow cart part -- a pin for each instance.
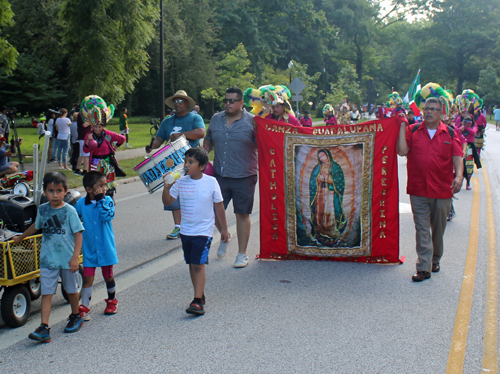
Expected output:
(19, 263)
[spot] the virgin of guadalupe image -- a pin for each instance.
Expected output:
(326, 187)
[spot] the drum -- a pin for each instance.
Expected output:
(167, 159)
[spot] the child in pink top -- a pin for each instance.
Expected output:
(99, 143)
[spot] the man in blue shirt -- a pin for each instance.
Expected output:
(6, 167)
(183, 122)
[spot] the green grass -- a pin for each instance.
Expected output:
(139, 136)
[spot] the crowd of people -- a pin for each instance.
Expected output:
(441, 142)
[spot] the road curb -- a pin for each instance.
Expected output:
(118, 182)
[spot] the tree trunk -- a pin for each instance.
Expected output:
(359, 60)
(460, 73)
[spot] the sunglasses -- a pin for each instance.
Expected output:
(432, 109)
(230, 101)
(179, 101)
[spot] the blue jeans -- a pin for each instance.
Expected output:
(62, 146)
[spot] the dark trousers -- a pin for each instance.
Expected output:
(75, 153)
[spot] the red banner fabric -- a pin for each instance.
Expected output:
(330, 192)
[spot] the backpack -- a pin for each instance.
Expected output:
(451, 130)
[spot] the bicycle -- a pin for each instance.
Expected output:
(155, 125)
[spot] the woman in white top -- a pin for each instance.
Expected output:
(62, 142)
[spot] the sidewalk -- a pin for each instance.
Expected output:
(120, 155)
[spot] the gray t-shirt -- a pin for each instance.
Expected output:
(235, 148)
(59, 228)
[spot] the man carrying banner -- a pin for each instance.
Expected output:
(231, 135)
(433, 151)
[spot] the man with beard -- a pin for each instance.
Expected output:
(231, 136)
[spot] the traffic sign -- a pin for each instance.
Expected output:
(299, 98)
(297, 86)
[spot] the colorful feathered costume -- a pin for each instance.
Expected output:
(434, 90)
(263, 98)
(95, 110)
(330, 119)
(344, 117)
(89, 106)
(473, 104)
(395, 103)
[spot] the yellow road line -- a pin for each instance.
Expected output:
(490, 350)
(459, 339)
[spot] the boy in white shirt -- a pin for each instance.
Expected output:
(200, 196)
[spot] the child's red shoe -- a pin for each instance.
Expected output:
(111, 306)
(84, 312)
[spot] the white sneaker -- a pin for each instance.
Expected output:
(221, 252)
(241, 260)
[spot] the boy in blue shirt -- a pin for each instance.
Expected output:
(200, 196)
(96, 211)
(61, 247)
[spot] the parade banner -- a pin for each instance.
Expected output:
(330, 192)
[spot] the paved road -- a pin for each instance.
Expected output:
(273, 316)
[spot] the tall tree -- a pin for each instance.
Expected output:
(356, 22)
(8, 53)
(106, 43)
(39, 80)
(488, 87)
(460, 35)
(189, 39)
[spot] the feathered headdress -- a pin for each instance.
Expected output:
(394, 100)
(344, 106)
(328, 108)
(472, 99)
(94, 109)
(263, 98)
(433, 90)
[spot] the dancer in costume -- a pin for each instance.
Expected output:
(344, 114)
(448, 120)
(326, 186)
(329, 114)
(99, 142)
(479, 119)
(271, 102)
(468, 104)
(468, 128)
(395, 104)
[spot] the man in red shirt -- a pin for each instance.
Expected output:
(433, 151)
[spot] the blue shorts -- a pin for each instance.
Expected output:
(196, 249)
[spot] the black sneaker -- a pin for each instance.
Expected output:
(41, 334)
(195, 308)
(52, 160)
(74, 324)
(78, 172)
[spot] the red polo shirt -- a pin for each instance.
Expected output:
(430, 165)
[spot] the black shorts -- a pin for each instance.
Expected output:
(240, 190)
(196, 249)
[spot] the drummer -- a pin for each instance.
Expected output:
(171, 128)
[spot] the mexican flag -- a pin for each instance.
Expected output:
(414, 87)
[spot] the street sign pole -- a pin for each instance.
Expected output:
(162, 64)
(297, 86)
